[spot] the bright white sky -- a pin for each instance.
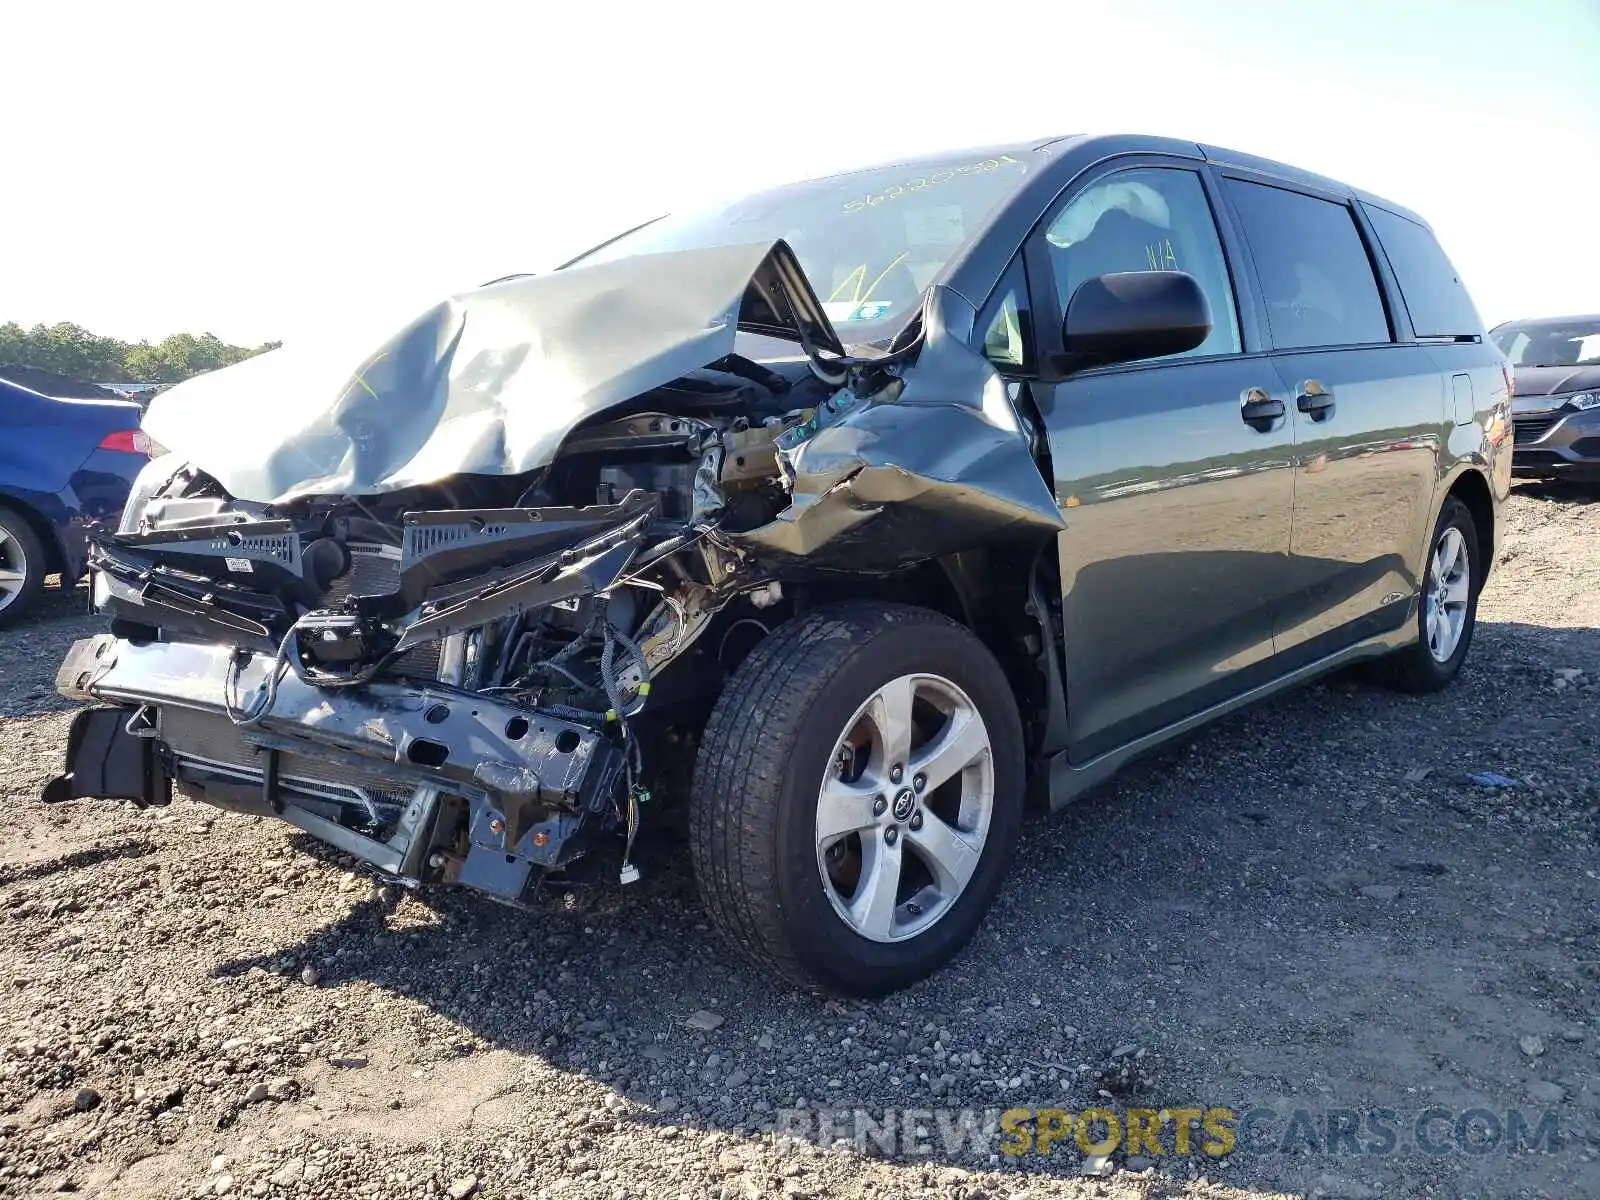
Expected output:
(256, 170)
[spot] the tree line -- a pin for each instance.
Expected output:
(71, 350)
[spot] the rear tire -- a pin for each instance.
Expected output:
(803, 774)
(1447, 610)
(22, 567)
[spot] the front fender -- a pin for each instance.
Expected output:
(934, 462)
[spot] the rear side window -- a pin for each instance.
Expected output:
(1316, 278)
(1433, 292)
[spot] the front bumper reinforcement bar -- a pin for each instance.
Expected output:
(530, 777)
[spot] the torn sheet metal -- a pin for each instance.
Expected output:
(489, 382)
(931, 464)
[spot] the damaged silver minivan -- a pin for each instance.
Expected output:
(845, 517)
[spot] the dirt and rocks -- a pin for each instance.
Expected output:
(1311, 908)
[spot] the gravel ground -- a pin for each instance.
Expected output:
(1308, 907)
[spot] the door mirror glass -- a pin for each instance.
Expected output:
(1131, 315)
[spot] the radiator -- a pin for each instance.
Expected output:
(375, 571)
(211, 740)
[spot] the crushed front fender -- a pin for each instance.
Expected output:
(935, 461)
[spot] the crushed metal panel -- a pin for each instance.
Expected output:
(487, 383)
(930, 464)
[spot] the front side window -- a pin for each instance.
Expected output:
(1150, 219)
(1316, 278)
(1003, 343)
(1007, 340)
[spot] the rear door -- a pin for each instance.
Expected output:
(1175, 475)
(1368, 411)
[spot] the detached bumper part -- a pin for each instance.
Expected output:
(372, 770)
(106, 761)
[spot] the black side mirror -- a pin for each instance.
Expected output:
(1133, 315)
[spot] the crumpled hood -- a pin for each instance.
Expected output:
(489, 382)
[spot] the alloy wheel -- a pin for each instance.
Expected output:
(13, 569)
(1449, 591)
(904, 812)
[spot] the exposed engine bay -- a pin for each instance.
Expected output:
(476, 672)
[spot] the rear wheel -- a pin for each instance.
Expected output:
(1448, 609)
(858, 797)
(22, 566)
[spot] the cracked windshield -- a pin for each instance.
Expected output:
(870, 241)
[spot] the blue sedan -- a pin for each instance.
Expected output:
(63, 465)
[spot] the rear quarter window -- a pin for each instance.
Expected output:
(1432, 290)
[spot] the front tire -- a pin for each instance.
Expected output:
(858, 797)
(1447, 611)
(22, 567)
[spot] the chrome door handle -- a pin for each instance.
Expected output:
(1259, 410)
(1315, 400)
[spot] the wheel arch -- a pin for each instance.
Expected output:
(1472, 489)
(1008, 596)
(43, 528)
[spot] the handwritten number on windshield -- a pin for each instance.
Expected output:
(910, 186)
